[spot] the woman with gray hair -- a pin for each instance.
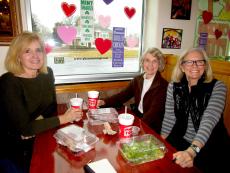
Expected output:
(193, 121)
(148, 89)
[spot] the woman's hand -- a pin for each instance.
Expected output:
(71, 115)
(100, 103)
(184, 158)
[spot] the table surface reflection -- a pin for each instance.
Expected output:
(50, 157)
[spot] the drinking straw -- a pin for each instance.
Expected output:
(125, 109)
(76, 95)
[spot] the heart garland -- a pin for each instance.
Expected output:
(207, 16)
(218, 33)
(104, 21)
(108, 1)
(68, 9)
(103, 45)
(67, 33)
(129, 12)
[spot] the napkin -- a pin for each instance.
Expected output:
(99, 166)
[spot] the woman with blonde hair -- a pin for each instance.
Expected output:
(193, 120)
(148, 90)
(28, 102)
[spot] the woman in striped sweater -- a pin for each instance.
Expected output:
(193, 120)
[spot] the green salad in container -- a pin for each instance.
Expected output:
(142, 149)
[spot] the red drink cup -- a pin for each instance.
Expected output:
(125, 125)
(92, 99)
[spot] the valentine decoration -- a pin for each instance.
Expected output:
(132, 41)
(212, 27)
(129, 12)
(67, 33)
(104, 21)
(118, 47)
(48, 48)
(108, 1)
(217, 33)
(68, 9)
(103, 45)
(207, 16)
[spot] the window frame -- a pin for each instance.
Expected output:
(101, 77)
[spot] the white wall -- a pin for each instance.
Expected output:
(157, 17)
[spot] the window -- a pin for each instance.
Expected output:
(89, 40)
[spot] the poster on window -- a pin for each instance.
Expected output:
(171, 38)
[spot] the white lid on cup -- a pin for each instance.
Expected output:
(76, 101)
(126, 119)
(93, 94)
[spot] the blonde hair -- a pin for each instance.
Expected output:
(18, 44)
(177, 73)
(155, 53)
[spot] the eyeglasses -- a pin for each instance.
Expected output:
(197, 62)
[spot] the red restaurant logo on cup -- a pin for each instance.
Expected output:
(125, 125)
(92, 99)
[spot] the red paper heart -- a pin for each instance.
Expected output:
(103, 45)
(129, 12)
(218, 33)
(207, 16)
(68, 9)
(48, 48)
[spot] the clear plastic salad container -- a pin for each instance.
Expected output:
(142, 149)
(76, 138)
(102, 115)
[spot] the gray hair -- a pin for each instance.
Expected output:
(155, 53)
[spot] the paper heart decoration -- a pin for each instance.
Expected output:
(104, 21)
(103, 45)
(132, 41)
(207, 17)
(67, 33)
(48, 48)
(108, 1)
(218, 33)
(68, 9)
(129, 12)
(229, 34)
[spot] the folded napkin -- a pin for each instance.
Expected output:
(99, 167)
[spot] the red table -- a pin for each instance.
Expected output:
(49, 157)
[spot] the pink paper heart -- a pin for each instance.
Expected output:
(104, 21)
(48, 48)
(229, 34)
(67, 33)
(132, 41)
